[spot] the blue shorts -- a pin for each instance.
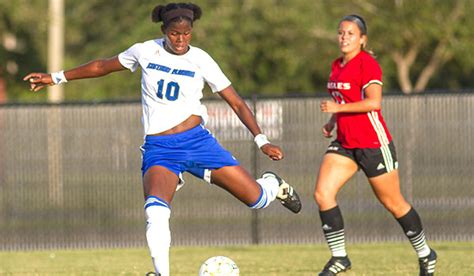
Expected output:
(194, 151)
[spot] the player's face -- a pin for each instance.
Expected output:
(350, 38)
(178, 36)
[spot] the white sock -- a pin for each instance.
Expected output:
(270, 188)
(270, 185)
(158, 233)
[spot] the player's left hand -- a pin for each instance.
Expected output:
(272, 151)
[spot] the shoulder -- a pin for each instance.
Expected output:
(336, 61)
(367, 61)
(367, 58)
(199, 53)
(153, 45)
(201, 57)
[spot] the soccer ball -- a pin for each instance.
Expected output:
(219, 266)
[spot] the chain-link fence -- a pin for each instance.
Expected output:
(70, 175)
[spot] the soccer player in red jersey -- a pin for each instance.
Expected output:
(363, 141)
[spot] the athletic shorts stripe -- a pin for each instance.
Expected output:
(387, 157)
(381, 128)
(378, 127)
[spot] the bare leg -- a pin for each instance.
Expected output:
(237, 181)
(334, 172)
(160, 182)
(387, 189)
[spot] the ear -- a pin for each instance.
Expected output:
(163, 29)
(363, 40)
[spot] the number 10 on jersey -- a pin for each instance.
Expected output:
(172, 90)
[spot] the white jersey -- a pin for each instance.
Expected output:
(172, 84)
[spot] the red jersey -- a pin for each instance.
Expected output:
(346, 85)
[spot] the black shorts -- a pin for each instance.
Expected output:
(373, 161)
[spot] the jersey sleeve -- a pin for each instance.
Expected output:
(130, 57)
(371, 72)
(213, 75)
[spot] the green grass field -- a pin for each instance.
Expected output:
(368, 259)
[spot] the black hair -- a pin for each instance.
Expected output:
(159, 13)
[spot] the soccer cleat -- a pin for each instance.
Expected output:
(335, 266)
(287, 195)
(428, 263)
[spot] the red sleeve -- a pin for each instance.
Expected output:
(371, 71)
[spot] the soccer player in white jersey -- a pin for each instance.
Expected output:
(176, 141)
(363, 141)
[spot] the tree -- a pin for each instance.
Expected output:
(266, 47)
(263, 45)
(419, 36)
(23, 42)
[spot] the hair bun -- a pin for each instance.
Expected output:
(156, 14)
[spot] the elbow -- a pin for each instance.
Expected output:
(238, 106)
(376, 106)
(97, 67)
(237, 109)
(100, 67)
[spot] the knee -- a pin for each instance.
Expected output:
(396, 207)
(317, 196)
(323, 197)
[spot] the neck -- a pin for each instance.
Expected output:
(170, 50)
(348, 56)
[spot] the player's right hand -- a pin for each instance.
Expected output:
(327, 130)
(38, 81)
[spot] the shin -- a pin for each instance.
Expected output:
(158, 233)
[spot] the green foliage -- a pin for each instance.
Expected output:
(266, 47)
(259, 44)
(22, 40)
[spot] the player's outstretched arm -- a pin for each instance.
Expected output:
(92, 69)
(247, 118)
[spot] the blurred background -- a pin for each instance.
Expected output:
(267, 47)
(70, 164)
